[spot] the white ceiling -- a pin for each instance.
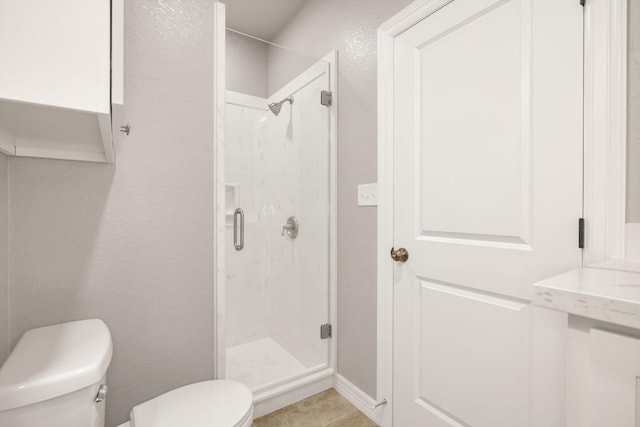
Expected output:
(261, 18)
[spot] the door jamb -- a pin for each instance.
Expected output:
(605, 128)
(605, 29)
(218, 262)
(387, 32)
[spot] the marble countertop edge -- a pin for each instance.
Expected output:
(607, 291)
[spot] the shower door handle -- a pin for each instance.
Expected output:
(238, 229)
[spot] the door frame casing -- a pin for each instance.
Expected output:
(218, 262)
(605, 128)
(605, 29)
(387, 32)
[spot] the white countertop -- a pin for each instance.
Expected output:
(607, 291)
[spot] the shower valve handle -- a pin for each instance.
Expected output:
(291, 227)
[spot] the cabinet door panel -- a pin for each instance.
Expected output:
(56, 53)
(615, 379)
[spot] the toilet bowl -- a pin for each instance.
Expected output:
(217, 403)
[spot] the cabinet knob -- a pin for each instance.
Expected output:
(126, 128)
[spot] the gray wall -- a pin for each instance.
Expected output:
(246, 65)
(4, 258)
(285, 65)
(131, 243)
(259, 69)
(350, 27)
(633, 150)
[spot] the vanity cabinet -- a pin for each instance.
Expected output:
(595, 358)
(61, 78)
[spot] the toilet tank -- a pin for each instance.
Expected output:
(56, 377)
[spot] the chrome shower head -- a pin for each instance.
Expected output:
(276, 106)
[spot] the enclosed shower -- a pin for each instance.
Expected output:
(278, 207)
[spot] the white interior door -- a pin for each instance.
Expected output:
(487, 138)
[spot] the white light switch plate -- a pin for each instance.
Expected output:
(368, 194)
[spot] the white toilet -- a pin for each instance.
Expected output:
(56, 377)
(218, 403)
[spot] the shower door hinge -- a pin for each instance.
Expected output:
(325, 331)
(326, 98)
(581, 233)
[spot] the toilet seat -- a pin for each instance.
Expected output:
(217, 403)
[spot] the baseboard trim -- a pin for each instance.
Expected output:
(357, 397)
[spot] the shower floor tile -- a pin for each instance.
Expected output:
(261, 362)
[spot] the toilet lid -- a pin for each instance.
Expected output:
(218, 403)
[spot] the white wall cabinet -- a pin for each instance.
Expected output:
(61, 72)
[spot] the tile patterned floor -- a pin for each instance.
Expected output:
(326, 409)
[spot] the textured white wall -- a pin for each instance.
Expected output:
(132, 244)
(246, 63)
(633, 150)
(350, 27)
(4, 258)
